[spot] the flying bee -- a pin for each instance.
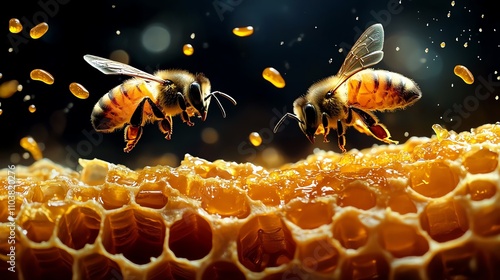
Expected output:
(148, 98)
(347, 98)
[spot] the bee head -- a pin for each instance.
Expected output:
(309, 115)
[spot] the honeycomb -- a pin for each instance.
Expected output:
(425, 209)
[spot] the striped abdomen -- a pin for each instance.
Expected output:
(381, 90)
(116, 107)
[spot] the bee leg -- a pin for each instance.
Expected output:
(324, 119)
(132, 135)
(182, 104)
(165, 126)
(376, 129)
(341, 135)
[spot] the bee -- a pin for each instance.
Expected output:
(347, 98)
(149, 98)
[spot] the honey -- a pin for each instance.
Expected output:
(243, 31)
(464, 73)
(15, 25)
(39, 30)
(188, 49)
(78, 91)
(42, 75)
(274, 77)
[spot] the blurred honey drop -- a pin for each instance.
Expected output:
(15, 25)
(1, 112)
(188, 49)
(255, 139)
(42, 75)
(464, 73)
(443, 44)
(30, 145)
(274, 77)
(39, 30)
(78, 91)
(32, 108)
(8, 88)
(243, 31)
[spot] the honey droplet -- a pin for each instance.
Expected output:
(441, 133)
(8, 88)
(1, 112)
(15, 25)
(255, 139)
(78, 91)
(39, 30)
(32, 108)
(30, 145)
(187, 49)
(443, 44)
(243, 31)
(42, 75)
(274, 77)
(464, 73)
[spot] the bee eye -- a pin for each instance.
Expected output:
(310, 115)
(328, 94)
(195, 94)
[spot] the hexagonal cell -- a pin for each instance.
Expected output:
(223, 199)
(190, 237)
(370, 266)
(222, 270)
(152, 195)
(114, 196)
(401, 202)
(265, 241)
(466, 261)
(444, 220)
(83, 193)
(262, 192)
(433, 178)
(357, 195)
(97, 266)
(402, 240)
(319, 255)
(94, 172)
(407, 273)
(309, 215)
(137, 234)
(480, 161)
(46, 263)
(37, 222)
(350, 232)
(79, 226)
(481, 189)
(487, 221)
(54, 189)
(170, 270)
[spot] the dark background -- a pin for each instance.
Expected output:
(301, 39)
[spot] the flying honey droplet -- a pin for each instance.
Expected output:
(274, 77)
(42, 75)
(32, 108)
(78, 91)
(15, 25)
(1, 112)
(464, 73)
(443, 44)
(8, 88)
(243, 31)
(30, 145)
(39, 30)
(188, 49)
(255, 139)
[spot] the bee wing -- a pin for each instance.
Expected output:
(367, 51)
(111, 67)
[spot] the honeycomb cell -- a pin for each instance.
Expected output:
(152, 195)
(51, 190)
(350, 232)
(78, 227)
(444, 220)
(37, 223)
(224, 200)
(261, 192)
(265, 241)
(96, 266)
(466, 261)
(319, 255)
(401, 202)
(46, 263)
(370, 266)
(433, 179)
(402, 240)
(170, 270)
(190, 237)
(357, 195)
(114, 196)
(481, 161)
(83, 194)
(222, 270)
(94, 172)
(407, 273)
(309, 215)
(487, 221)
(137, 234)
(481, 189)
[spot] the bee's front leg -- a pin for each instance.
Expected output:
(184, 114)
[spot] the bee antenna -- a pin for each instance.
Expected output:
(213, 94)
(287, 115)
